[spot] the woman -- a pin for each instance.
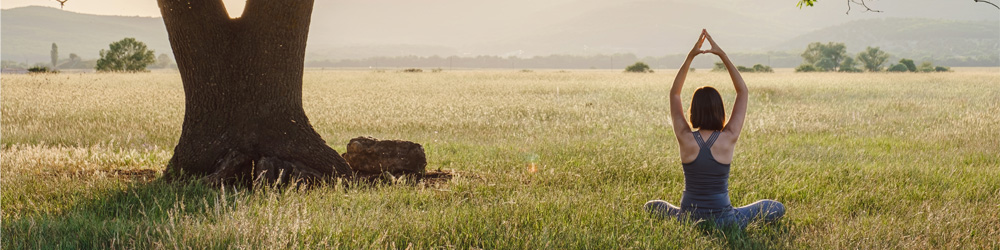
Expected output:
(707, 161)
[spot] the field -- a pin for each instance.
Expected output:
(542, 160)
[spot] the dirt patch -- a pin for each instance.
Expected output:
(437, 177)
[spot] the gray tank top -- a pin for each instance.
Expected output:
(706, 181)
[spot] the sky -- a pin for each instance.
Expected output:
(895, 8)
(145, 8)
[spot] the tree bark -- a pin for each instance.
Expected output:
(243, 116)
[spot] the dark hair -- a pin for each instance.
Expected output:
(707, 110)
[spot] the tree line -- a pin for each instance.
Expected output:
(833, 57)
(126, 55)
(130, 55)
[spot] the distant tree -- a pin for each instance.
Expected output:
(826, 57)
(74, 60)
(925, 67)
(898, 68)
(163, 61)
(762, 68)
(942, 69)
(806, 68)
(873, 58)
(909, 64)
(127, 55)
(849, 65)
(55, 55)
(719, 67)
(638, 67)
(38, 69)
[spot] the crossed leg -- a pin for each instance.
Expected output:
(762, 210)
(662, 209)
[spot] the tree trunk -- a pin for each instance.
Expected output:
(243, 116)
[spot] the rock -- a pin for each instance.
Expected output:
(368, 155)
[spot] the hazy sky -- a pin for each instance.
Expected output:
(108, 7)
(895, 8)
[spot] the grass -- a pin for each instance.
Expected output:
(544, 160)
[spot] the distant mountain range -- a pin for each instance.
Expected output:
(643, 28)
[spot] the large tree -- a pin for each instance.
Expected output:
(243, 116)
(127, 55)
(873, 58)
(827, 56)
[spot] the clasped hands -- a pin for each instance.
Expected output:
(701, 39)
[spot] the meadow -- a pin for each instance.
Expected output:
(542, 160)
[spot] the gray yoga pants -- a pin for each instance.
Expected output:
(762, 210)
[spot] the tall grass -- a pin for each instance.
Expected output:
(544, 160)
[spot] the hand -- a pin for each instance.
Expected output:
(697, 46)
(715, 47)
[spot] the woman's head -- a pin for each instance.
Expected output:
(707, 111)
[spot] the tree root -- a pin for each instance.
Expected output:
(240, 168)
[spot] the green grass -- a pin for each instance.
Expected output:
(860, 160)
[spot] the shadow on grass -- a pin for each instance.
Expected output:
(142, 213)
(756, 236)
(113, 218)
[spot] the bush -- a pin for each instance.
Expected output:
(719, 67)
(898, 68)
(638, 67)
(413, 70)
(909, 64)
(942, 69)
(762, 68)
(38, 69)
(437, 70)
(806, 68)
(926, 67)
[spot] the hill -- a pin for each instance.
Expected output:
(28, 33)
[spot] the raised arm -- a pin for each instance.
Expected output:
(739, 114)
(681, 127)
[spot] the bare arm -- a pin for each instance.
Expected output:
(739, 114)
(681, 127)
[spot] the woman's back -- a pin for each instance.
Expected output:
(705, 175)
(706, 181)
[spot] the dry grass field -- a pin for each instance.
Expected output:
(542, 160)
